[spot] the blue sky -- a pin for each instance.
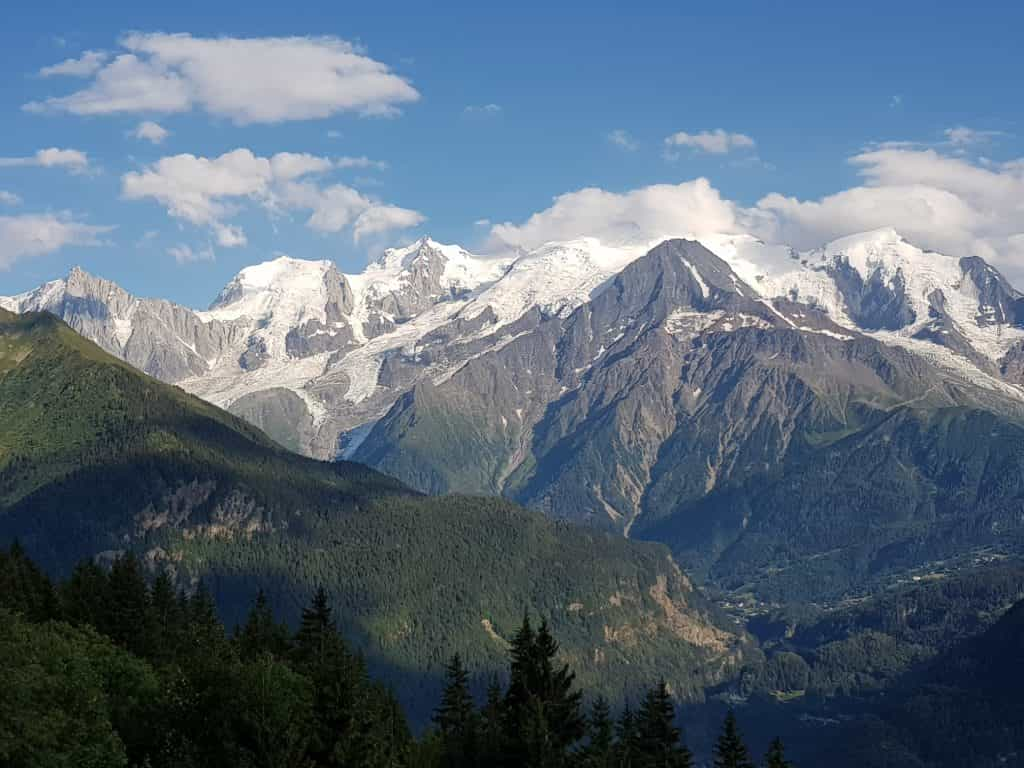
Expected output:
(493, 110)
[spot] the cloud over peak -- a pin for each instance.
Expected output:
(941, 202)
(246, 80)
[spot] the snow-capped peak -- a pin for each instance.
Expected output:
(263, 287)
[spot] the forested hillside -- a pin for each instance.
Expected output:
(97, 459)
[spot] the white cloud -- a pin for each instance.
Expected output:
(247, 80)
(483, 110)
(940, 202)
(717, 142)
(9, 198)
(944, 203)
(183, 254)
(207, 192)
(640, 215)
(84, 66)
(333, 134)
(385, 218)
(151, 132)
(621, 138)
(72, 159)
(40, 234)
(962, 136)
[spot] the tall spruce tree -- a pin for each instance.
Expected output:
(659, 740)
(456, 717)
(128, 605)
(491, 724)
(730, 751)
(600, 749)
(627, 739)
(543, 717)
(776, 757)
(261, 633)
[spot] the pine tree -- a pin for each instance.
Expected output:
(128, 606)
(84, 597)
(317, 635)
(562, 704)
(491, 724)
(262, 634)
(543, 718)
(776, 757)
(456, 717)
(600, 750)
(730, 751)
(659, 739)
(164, 622)
(627, 740)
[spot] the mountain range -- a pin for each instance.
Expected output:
(793, 424)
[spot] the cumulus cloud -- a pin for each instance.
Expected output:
(940, 202)
(944, 203)
(247, 80)
(207, 192)
(183, 254)
(151, 132)
(40, 234)
(385, 218)
(621, 138)
(9, 198)
(71, 159)
(640, 215)
(717, 142)
(84, 66)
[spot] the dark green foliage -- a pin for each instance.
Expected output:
(776, 756)
(658, 738)
(456, 718)
(866, 647)
(262, 633)
(600, 749)
(164, 687)
(70, 697)
(730, 751)
(543, 717)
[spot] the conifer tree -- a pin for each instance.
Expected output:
(491, 724)
(261, 633)
(128, 605)
(317, 636)
(659, 739)
(776, 757)
(456, 717)
(627, 740)
(730, 751)
(164, 622)
(600, 750)
(84, 597)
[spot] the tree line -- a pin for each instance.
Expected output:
(109, 668)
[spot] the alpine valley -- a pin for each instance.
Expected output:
(794, 426)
